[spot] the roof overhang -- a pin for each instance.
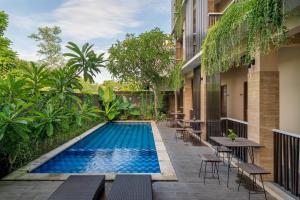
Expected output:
(192, 63)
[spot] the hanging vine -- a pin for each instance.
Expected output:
(179, 18)
(247, 26)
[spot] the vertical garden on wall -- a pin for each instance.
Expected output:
(178, 26)
(247, 26)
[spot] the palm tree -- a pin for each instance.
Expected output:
(176, 81)
(84, 60)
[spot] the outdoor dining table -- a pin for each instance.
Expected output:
(192, 121)
(176, 114)
(188, 122)
(239, 142)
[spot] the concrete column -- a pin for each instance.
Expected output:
(203, 104)
(263, 106)
(187, 96)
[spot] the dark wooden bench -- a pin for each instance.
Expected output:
(253, 170)
(214, 160)
(131, 187)
(80, 187)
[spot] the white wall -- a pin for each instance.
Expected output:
(289, 89)
(234, 79)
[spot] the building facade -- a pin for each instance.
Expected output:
(260, 101)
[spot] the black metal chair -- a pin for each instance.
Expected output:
(223, 152)
(179, 132)
(214, 160)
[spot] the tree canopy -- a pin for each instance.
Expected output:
(146, 59)
(7, 56)
(49, 47)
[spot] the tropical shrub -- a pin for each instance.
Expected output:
(111, 105)
(13, 129)
(128, 109)
(39, 108)
(49, 120)
(83, 112)
(114, 107)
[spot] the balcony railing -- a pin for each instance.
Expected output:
(241, 129)
(286, 160)
(213, 18)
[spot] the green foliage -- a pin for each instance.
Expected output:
(123, 86)
(128, 109)
(161, 117)
(255, 23)
(145, 59)
(111, 105)
(49, 40)
(146, 105)
(179, 18)
(36, 77)
(84, 60)
(13, 128)
(49, 120)
(114, 107)
(51, 108)
(83, 112)
(175, 79)
(232, 135)
(12, 89)
(7, 56)
(63, 84)
(88, 88)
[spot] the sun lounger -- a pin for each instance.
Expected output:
(81, 187)
(131, 187)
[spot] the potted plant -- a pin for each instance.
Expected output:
(232, 135)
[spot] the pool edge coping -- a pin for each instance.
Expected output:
(167, 172)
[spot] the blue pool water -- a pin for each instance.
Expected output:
(113, 148)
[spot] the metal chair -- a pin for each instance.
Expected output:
(214, 160)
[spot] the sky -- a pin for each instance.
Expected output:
(99, 22)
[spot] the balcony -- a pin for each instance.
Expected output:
(213, 18)
(286, 158)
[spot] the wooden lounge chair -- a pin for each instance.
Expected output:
(131, 187)
(80, 187)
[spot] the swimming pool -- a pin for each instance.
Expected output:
(112, 148)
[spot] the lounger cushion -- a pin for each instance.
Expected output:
(81, 187)
(131, 187)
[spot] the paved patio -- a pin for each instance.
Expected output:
(186, 161)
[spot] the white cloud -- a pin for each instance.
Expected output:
(28, 55)
(103, 76)
(85, 20)
(91, 19)
(161, 6)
